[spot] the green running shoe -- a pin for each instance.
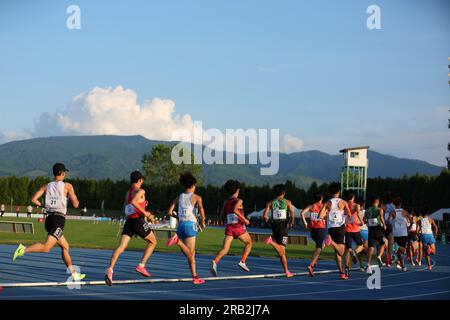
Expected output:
(78, 276)
(20, 251)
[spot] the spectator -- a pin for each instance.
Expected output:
(17, 211)
(29, 211)
(2, 210)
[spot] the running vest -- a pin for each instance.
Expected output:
(316, 222)
(389, 208)
(352, 222)
(373, 217)
(399, 224)
(232, 218)
(185, 207)
(336, 217)
(279, 209)
(130, 211)
(426, 226)
(413, 227)
(55, 199)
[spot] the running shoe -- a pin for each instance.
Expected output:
(143, 270)
(413, 263)
(343, 276)
(354, 258)
(289, 274)
(197, 280)
(347, 271)
(404, 269)
(78, 276)
(269, 240)
(20, 251)
(369, 269)
(362, 269)
(327, 241)
(380, 262)
(398, 265)
(419, 263)
(430, 267)
(213, 269)
(172, 241)
(109, 277)
(243, 266)
(310, 271)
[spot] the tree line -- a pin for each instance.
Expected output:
(416, 191)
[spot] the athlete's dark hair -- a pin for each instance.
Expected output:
(397, 201)
(374, 198)
(349, 195)
(360, 201)
(424, 210)
(231, 186)
(187, 180)
(335, 187)
(389, 197)
(135, 176)
(318, 196)
(279, 189)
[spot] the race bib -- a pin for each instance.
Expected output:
(373, 222)
(279, 214)
(129, 210)
(315, 216)
(351, 220)
(232, 218)
(336, 217)
(182, 213)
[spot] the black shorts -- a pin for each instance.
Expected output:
(353, 236)
(413, 237)
(136, 226)
(401, 241)
(280, 231)
(318, 235)
(388, 231)
(54, 225)
(337, 234)
(375, 235)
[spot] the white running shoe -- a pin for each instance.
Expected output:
(369, 269)
(243, 266)
(214, 268)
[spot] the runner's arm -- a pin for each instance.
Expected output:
(291, 213)
(202, 210)
(72, 196)
(434, 226)
(266, 211)
(323, 211)
(135, 203)
(239, 215)
(303, 215)
(382, 218)
(172, 207)
(38, 194)
(358, 213)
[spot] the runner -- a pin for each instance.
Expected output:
(56, 193)
(399, 219)
(413, 239)
(235, 228)
(428, 230)
(188, 226)
(388, 208)
(135, 210)
(375, 220)
(280, 224)
(318, 229)
(353, 224)
(336, 210)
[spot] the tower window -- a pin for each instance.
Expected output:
(354, 154)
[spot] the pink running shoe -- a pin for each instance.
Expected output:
(311, 271)
(430, 267)
(109, 277)
(197, 280)
(327, 241)
(172, 241)
(269, 240)
(143, 271)
(289, 274)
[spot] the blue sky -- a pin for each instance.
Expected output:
(310, 68)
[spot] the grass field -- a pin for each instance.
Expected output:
(86, 234)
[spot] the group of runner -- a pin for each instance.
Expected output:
(345, 221)
(389, 227)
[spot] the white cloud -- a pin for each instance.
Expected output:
(7, 136)
(291, 144)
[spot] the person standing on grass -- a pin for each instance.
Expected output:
(279, 208)
(136, 224)
(2, 210)
(375, 221)
(336, 210)
(235, 227)
(29, 211)
(188, 225)
(353, 225)
(17, 211)
(318, 229)
(56, 193)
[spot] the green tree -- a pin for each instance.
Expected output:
(160, 169)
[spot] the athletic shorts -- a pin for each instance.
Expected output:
(427, 239)
(375, 235)
(413, 237)
(136, 226)
(337, 234)
(54, 225)
(280, 232)
(353, 236)
(401, 241)
(187, 229)
(388, 232)
(235, 230)
(318, 235)
(365, 234)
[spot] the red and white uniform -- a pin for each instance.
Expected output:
(235, 226)
(130, 211)
(352, 223)
(316, 222)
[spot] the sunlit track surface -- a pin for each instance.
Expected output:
(416, 283)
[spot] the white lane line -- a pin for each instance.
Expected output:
(417, 295)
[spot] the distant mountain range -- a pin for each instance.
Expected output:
(101, 157)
